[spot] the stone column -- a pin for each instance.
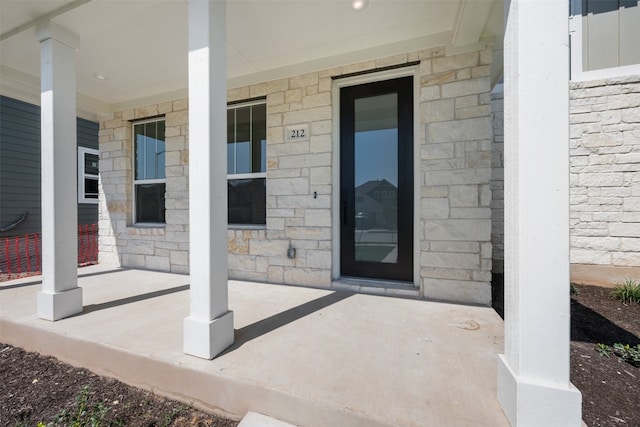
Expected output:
(209, 328)
(533, 374)
(60, 296)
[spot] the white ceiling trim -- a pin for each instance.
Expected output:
(471, 21)
(47, 17)
(26, 88)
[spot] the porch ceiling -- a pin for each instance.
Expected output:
(141, 46)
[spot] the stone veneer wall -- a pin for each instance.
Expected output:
(605, 172)
(455, 172)
(162, 248)
(497, 181)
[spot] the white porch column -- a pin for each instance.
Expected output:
(60, 296)
(533, 374)
(209, 328)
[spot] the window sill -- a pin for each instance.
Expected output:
(246, 227)
(148, 225)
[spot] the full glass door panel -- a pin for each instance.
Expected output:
(376, 180)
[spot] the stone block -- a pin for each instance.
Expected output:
(463, 196)
(303, 80)
(457, 290)
(321, 144)
(466, 101)
(624, 230)
(158, 263)
(625, 259)
(273, 86)
(438, 79)
(459, 260)
(601, 179)
(307, 115)
(455, 62)
(275, 274)
(288, 186)
(242, 262)
(268, 247)
(319, 100)
(460, 130)
(429, 93)
(458, 229)
(437, 111)
(437, 151)
(305, 160)
(307, 277)
(317, 217)
(431, 208)
(445, 273)
(465, 87)
(319, 259)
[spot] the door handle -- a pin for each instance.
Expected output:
(345, 206)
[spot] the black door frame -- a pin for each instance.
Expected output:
(349, 267)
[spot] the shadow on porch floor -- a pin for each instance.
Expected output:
(310, 357)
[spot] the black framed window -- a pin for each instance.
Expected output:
(247, 163)
(149, 183)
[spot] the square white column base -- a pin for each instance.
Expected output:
(58, 305)
(209, 338)
(529, 404)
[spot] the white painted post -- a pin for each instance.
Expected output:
(533, 375)
(60, 296)
(209, 328)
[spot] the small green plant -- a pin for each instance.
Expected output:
(573, 289)
(603, 350)
(84, 414)
(627, 291)
(628, 353)
(624, 352)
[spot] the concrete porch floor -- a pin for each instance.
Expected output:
(309, 357)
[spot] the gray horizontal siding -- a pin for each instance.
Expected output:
(20, 165)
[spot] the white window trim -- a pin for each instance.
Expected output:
(251, 175)
(82, 175)
(576, 39)
(143, 181)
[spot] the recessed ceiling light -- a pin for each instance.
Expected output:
(359, 4)
(100, 76)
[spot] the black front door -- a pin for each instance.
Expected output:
(376, 180)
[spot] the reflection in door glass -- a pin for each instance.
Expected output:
(376, 178)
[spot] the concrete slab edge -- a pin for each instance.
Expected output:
(219, 394)
(253, 419)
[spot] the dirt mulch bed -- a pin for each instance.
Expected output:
(610, 387)
(35, 388)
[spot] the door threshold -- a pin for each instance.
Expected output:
(376, 287)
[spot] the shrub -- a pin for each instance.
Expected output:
(627, 291)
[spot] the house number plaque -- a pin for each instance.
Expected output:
(296, 133)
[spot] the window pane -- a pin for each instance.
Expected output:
(231, 137)
(150, 203)
(90, 188)
(90, 164)
(243, 140)
(139, 172)
(247, 201)
(150, 150)
(259, 138)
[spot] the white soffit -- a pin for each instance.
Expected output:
(141, 46)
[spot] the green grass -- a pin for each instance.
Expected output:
(627, 291)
